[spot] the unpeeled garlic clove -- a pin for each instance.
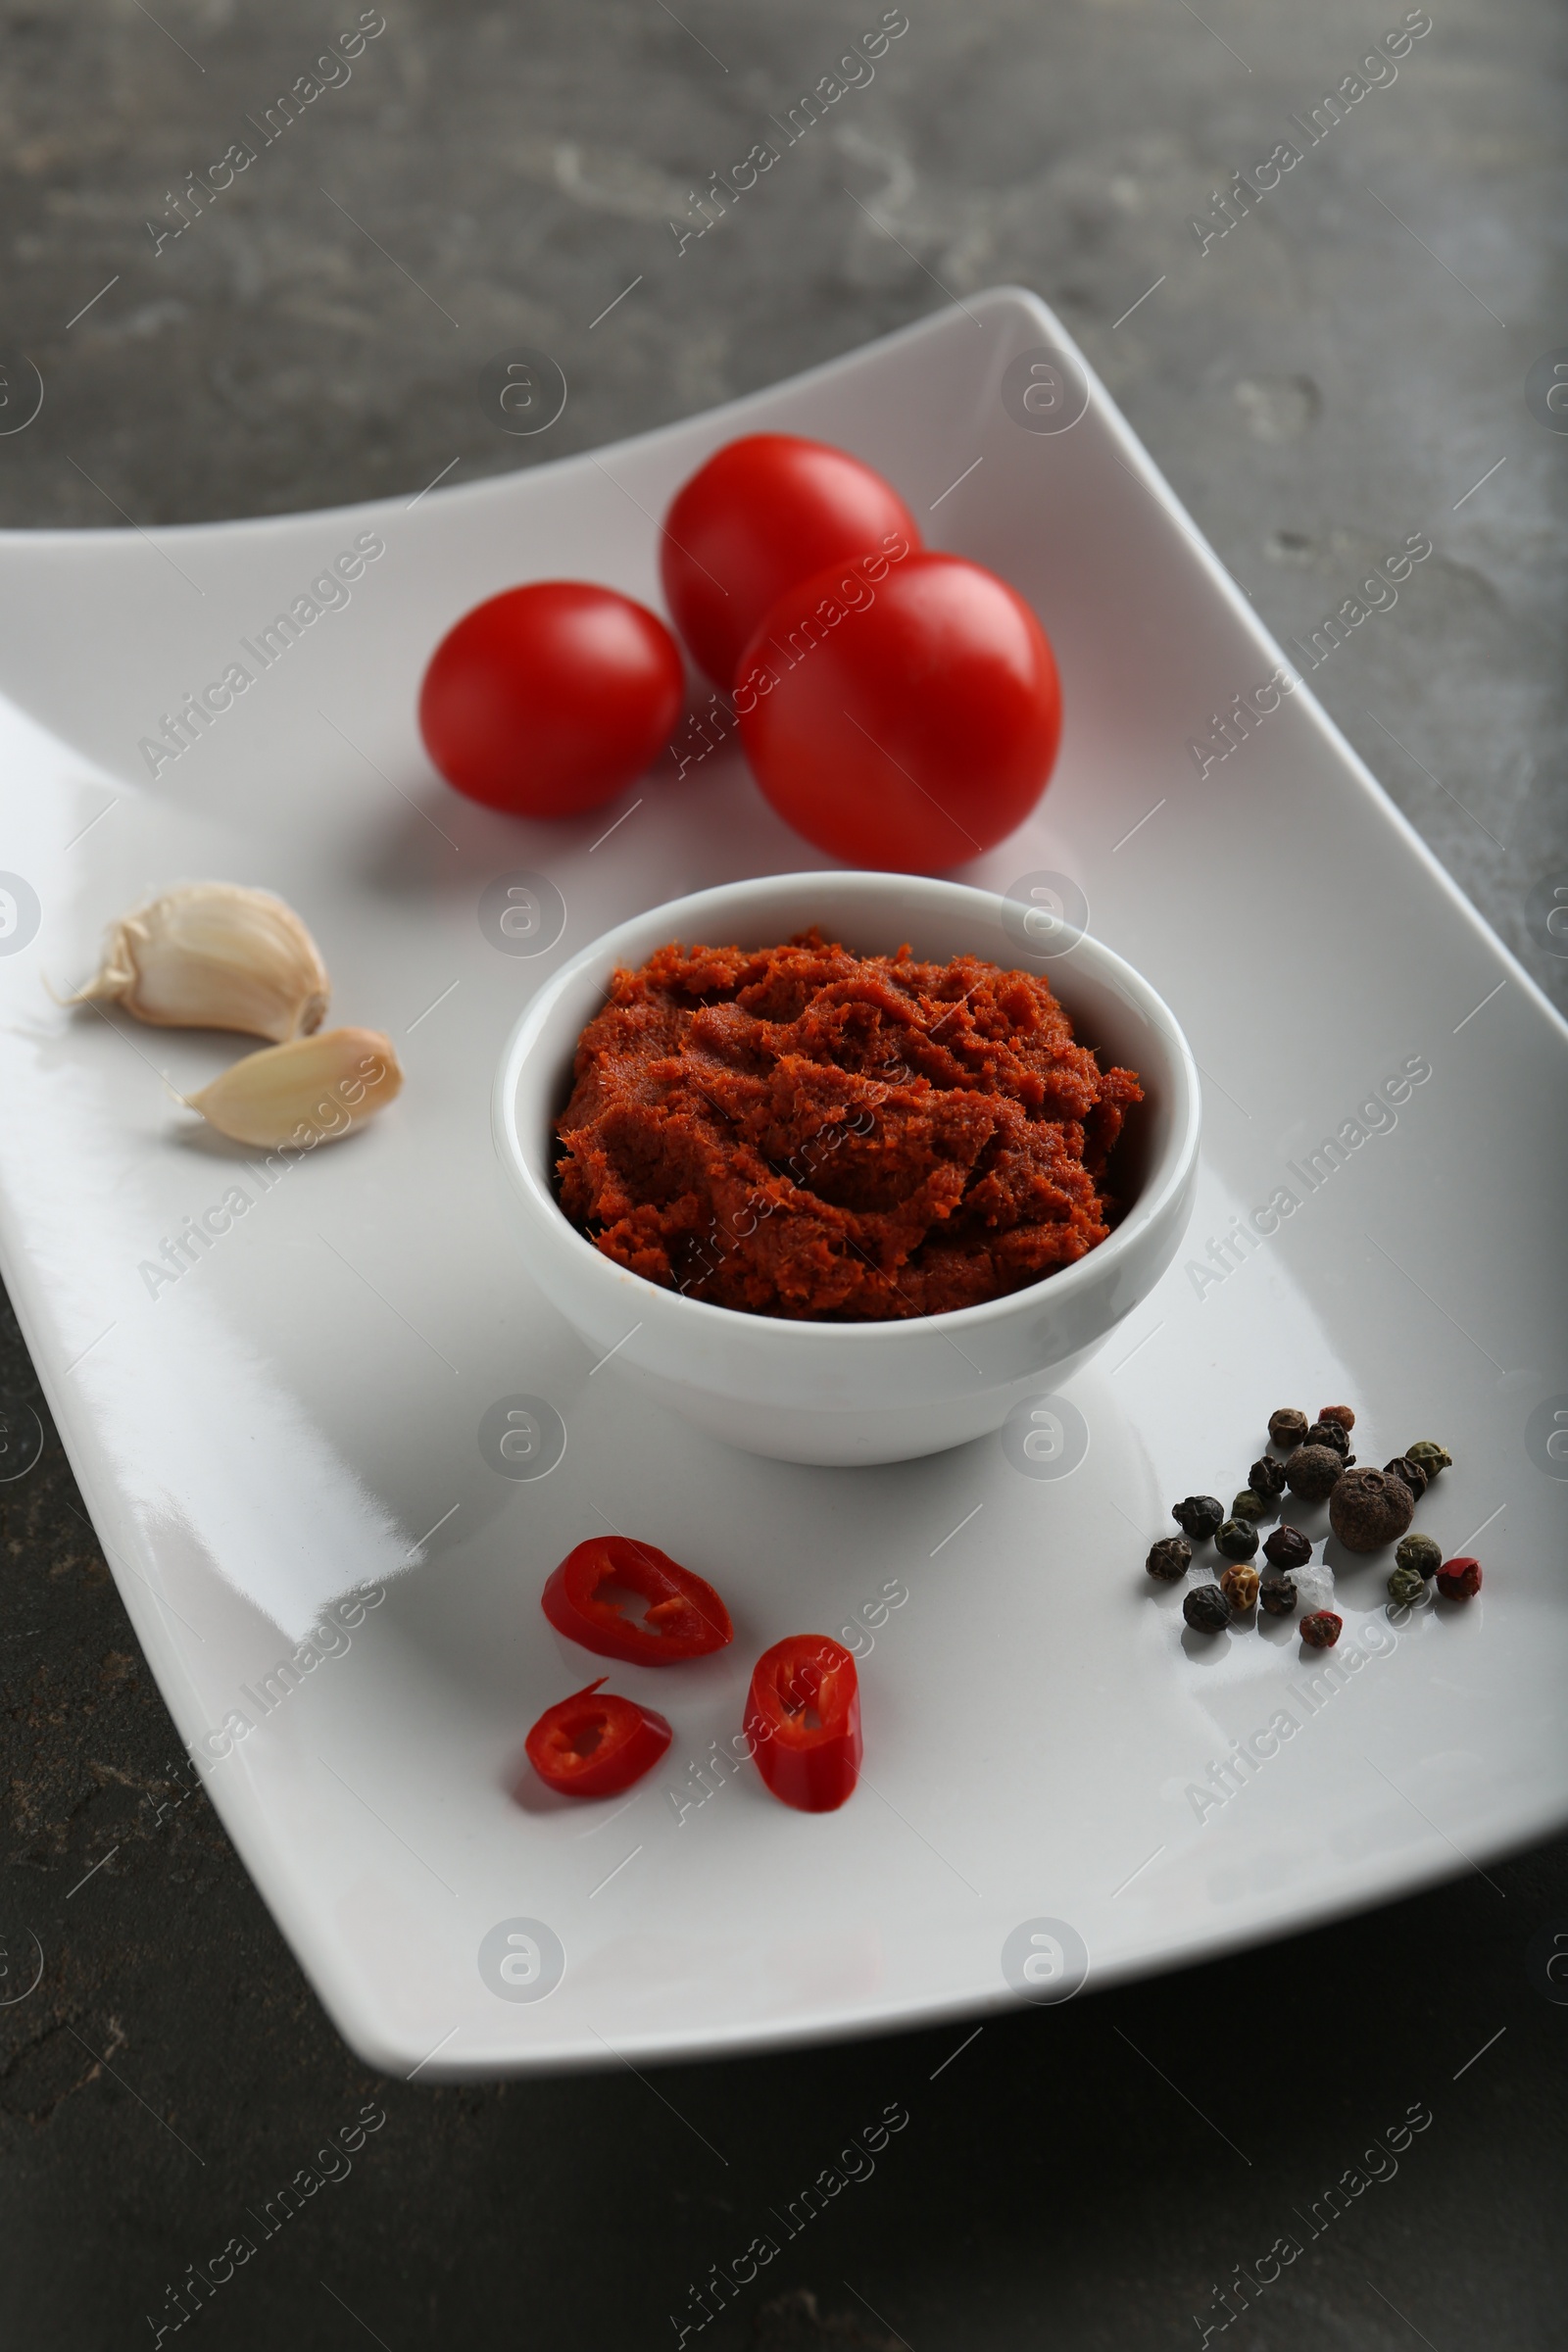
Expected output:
(307, 1092)
(214, 955)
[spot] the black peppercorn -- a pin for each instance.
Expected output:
(1277, 1594)
(1330, 1433)
(1288, 1548)
(1266, 1477)
(1286, 1427)
(1313, 1472)
(1237, 1539)
(1369, 1508)
(1409, 1473)
(1169, 1558)
(1207, 1610)
(1198, 1516)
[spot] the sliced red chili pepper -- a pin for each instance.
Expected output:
(803, 1719)
(684, 1619)
(591, 1747)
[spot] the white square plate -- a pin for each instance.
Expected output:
(300, 1412)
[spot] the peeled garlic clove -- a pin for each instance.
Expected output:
(307, 1092)
(215, 955)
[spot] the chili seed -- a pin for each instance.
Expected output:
(1411, 1474)
(1248, 1505)
(1407, 1584)
(1313, 1472)
(1322, 1628)
(1169, 1558)
(1237, 1538)
(1340, 1413)
(1459, 1579)
(1240, 1588)
(1330, 1433)
(1198, 1516)
(1286, 1427)
(1277, 1592)
(1369, 1508)
(1431, 1457)
(1288, 1548)
(1207, 1610)
(1266, 1477)
(1423, 1553)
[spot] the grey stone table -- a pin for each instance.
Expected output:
(1322, 367)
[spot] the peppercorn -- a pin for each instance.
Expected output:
(1410, 1473)
(1169, 1558)
(1198, 1516)
(1286, 1427)
(1207, 1610)
(1423, 1553)
(1369, 1508)
(1240, 1588)
(1266, 1477)
(1313, 1472)
(1322, 1628)
(1249, 1506)
(1459, 1579)
(1431, 1457)
(1278, 1595)
(1407, 1584)
(1340, 1413)
(1288, 1548)
(1237, 1538)
(1330, 1433)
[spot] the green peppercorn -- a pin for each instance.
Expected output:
(1407, 1584)
(1423, 1553)
(1286, 1427)
(1313, 1472)
(1207, 1610)
(1431, 1457)
(1198, 1516)
(1240, 1586)
(1237, 1538)
(1249, 1506)
(1278, 1595)
(1266, 1477)
(1288, 1548)
(1169, 1558)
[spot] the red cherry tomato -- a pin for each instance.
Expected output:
(548, 700)
(684, 1619)
(909, 720)
(764, 513)
(590, 1746)
(803, 1719)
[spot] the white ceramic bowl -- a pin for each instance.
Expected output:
(842, 1392)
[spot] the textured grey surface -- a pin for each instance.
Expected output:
(1331, 377)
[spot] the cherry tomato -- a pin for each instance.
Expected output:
(905, 716)
(810, 1764)
(684, 1619)
(590, 1746)
(764, 513)
(548, 700)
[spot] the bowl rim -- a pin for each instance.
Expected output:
(1160, 1191)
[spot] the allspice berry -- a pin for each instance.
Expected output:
(1207, 1610)
(1369, 1508)
(1288, 1548)
(1199, 1516)
(1407, 1584)
(1313, 1472)
(1286, 1427)
(1432, 1458)
(1169, 1558)
(1322, 1628)
(1423, 1553)
(1410, 1473)
(1240, 1588)
(1330, 1433)
(1266, 1477)
(1340, 1413)
(1237, 1538)
(1277, 1594)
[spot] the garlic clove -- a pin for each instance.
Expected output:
(308, 1091)
(214, 955)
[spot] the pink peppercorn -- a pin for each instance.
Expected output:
(1322, 1628)
(1459, 1579)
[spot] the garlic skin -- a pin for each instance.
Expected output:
(214, 955)
(308, 1091)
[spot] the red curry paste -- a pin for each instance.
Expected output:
(802, 1131)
